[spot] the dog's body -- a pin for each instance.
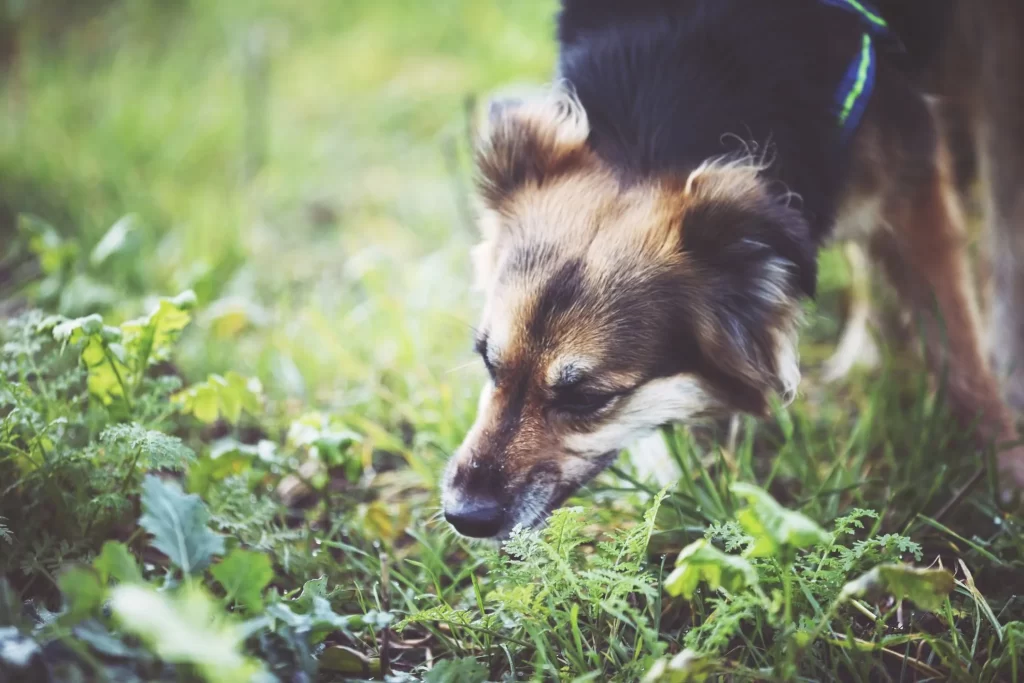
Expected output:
(651, 225)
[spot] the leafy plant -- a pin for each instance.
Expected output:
(181, 622)
(547, 594)
(778, 544)
(84, 415)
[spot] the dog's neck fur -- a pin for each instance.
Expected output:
(665, 88)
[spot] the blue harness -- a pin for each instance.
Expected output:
(857, 85)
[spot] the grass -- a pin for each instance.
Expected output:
(302, 168)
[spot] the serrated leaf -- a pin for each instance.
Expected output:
(156, 449)
(244, 575)
(116, 562)
(701, 561)
(185, 629)
(564, 530)
(927, 588)
(178, 523)
(461, 670)
(776, 531)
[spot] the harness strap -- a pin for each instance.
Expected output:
(855, 91)
(857, 85)
(872, 18)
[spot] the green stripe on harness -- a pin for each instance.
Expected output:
(868, 14)
(862, 78)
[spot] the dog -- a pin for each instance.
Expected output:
(651, 223)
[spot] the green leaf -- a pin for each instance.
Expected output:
(185, 629)
(83, 592)
(45, 242)
(776, 531)
(205, 404)
(349, 662)
(927, 588)
(117, 239)
(100, 354)
(462, 670)
(178, 524)
(701, 561)
(320, 622)
(116, 562)
(70, 331)
(312, 612)
(244, 575)
(150, 339)
(686, 667)
(312, 589)
(97, 637)
(219, 396)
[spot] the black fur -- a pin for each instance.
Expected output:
(668, 84)
(922, 27)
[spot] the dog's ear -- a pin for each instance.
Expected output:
(749, 259)
(527, 140)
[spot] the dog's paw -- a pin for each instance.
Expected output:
(1011, 474)
(1013, 388)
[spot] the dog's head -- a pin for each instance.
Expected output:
(613, 308)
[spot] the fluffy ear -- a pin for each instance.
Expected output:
(752, 259)
(527, 140)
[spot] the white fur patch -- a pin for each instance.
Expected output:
(787, 364)
(653, 461)
(858, 220)
(659, 402)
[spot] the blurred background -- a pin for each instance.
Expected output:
(302, 166)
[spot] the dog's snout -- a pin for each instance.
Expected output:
(476, 516)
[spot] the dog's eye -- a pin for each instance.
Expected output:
(583, 404)
(481, 348)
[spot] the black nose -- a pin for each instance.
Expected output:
(476, 517)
